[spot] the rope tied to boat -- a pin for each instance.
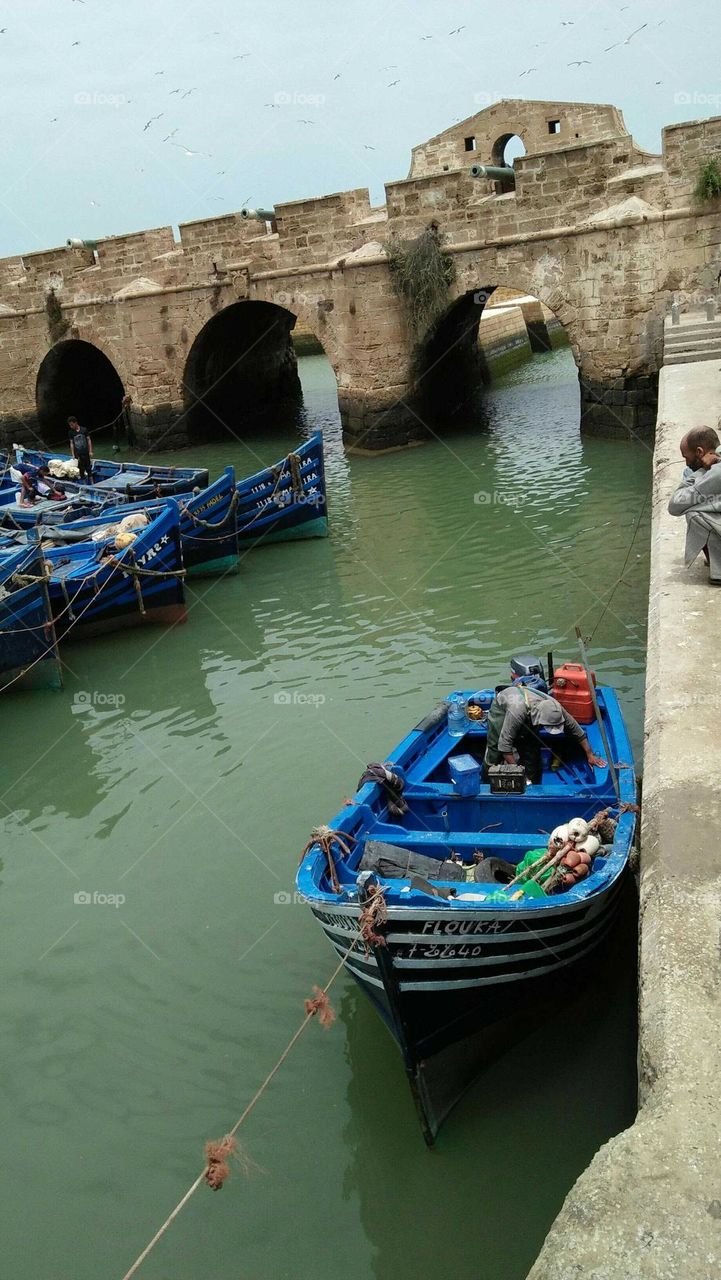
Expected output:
(391, 784)
(325, 837)
(217, 1153)
(373, 916)
(213, 524)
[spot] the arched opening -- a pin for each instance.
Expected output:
(241, 372)
(483, 336)
(506, 150)
(76, 378)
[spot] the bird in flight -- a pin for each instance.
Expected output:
(170, 135)
(582, 62)
(392, 83)
(528, 72)
(158, 73)
(150, 121)
(189, 91)
(75, 44)
(188, 152)
(238, 56)
(306, 122)
(367, 147)
(627, 40)
(456, 30)
(568, 24)
(337, 77)
(426, 37)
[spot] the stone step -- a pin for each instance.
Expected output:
(692, 357)
(693, 344)
(680, 332)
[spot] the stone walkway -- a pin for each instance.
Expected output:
(649, 1205)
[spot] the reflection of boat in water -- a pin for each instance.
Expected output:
(28, 652)
(450, 959)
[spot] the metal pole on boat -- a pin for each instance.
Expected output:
(599, 719)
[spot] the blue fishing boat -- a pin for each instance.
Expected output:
(120, 475)
(419, 883)
(208, 531)
(94, 587)
(28, 649)
(287, 500)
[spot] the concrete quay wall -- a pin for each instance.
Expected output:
(649, 1205)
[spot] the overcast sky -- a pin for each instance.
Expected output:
(78, 159)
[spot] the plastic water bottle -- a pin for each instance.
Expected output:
(456, 715)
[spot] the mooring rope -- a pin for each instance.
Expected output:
(318, 1003)
(619, 580)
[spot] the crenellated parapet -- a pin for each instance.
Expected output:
(603, 232)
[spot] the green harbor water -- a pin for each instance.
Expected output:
(183, 770)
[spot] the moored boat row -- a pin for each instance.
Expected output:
(114, 555)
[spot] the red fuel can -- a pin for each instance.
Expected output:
(570, 686)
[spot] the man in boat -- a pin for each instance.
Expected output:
(81, 447)
(514, 719)
(25, 476)
(46, 484)
(698, 498)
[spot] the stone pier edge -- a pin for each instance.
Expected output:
(649, 1204)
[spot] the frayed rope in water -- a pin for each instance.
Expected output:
(218, 1153)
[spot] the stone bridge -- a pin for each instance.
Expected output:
(197, 329)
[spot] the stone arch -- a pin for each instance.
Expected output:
(450, 370)
(241, 370)
(76, 377)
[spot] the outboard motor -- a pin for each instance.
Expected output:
(528, 670)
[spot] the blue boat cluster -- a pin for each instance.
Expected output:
(116, 552)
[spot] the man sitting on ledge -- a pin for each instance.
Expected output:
(698, 498)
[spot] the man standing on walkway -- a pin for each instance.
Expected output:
(81, 447)
(698, 498)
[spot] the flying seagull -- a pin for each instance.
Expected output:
(392, 83)
(627, 40)
(189, 91)
(238, 56)
(582, 62)
(188, 152)
(528, 72)
(150, 121)
(170, 135)
(455, 30)
(367, 147)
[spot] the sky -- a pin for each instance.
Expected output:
(121, 115)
